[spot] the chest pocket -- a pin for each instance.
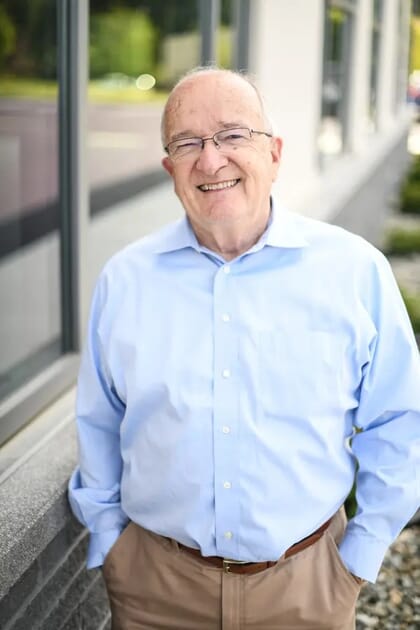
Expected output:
(298, 374)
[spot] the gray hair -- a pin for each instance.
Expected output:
(213, 69)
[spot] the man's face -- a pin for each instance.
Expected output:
(200, 107)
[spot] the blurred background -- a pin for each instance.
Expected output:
(82, 87)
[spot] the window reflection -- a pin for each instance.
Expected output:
(337, 39)
(30, 329)
(138, 50)
(225, 35)
(402, 56)
(374, 62)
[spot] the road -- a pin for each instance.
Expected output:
(122, 140)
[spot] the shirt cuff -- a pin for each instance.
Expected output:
(362, 555)
(99, 546)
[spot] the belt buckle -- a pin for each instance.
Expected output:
(228, 561)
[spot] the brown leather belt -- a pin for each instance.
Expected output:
(239, 566)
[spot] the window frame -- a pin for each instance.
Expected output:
(350, 7)
(27, 401)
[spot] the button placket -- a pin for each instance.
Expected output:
(225, 413)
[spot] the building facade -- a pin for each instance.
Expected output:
(82, 86)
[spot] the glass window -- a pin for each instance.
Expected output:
(226, 35)
(374, 61)
(30, 315)
(336, 77)
(138, 50)
(402, 60)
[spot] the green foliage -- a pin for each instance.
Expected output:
(410, 190)
(224, 47)
(350, 504)
(414, 171)
(412, 303)
(7, 37)
(410, 198)
(336, 15)
(124, 41)
(169, 16)
(401, 241)
(415, 44)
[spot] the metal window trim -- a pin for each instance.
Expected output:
(376, 68)
(348, 83)
(29, 400)
(73, 62)
(209, 11)
(241, 20)
(347, 5)
(351, 9)
(402, 54)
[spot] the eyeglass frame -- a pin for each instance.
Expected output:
(203, 140)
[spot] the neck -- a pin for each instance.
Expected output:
(230, 241)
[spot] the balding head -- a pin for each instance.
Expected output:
(222, 79)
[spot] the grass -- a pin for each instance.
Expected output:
(98, 91)
(28, 89)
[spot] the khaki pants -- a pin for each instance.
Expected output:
(153, 584)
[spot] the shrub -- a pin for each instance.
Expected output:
(412, 302)
(410, 197)
(122, 41)
(410, 189)
(403, 241)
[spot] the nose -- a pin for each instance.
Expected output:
(211, 159)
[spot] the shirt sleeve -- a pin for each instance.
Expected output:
(94, 487)
(387, 439)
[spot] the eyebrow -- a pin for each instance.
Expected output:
(187, 133)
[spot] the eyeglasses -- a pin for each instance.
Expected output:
(224, 140)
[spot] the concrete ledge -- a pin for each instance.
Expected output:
(43, 579)
(34, 506)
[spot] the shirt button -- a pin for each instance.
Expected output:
(226, 317)
(228, 535)
(226, 429)
(226, 269)
(227, 485)
(226, 373)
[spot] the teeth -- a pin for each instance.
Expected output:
(219, 186)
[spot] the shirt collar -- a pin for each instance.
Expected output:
(284, 230)
(176, 236)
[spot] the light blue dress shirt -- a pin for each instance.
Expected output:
(216, 401)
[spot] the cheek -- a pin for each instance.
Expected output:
(181, 179)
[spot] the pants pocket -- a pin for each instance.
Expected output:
(116, 547)
(341, 567)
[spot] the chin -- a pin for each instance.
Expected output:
(224, 210)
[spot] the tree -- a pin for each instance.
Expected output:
(122, 40)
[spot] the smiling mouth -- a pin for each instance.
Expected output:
(219, 186)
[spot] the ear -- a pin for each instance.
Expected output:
(167, 165)
(276, 147)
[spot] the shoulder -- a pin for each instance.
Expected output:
(338, 243)
(143, 253)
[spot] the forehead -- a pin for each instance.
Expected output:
(206, 103)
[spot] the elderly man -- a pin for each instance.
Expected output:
(241, 364)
